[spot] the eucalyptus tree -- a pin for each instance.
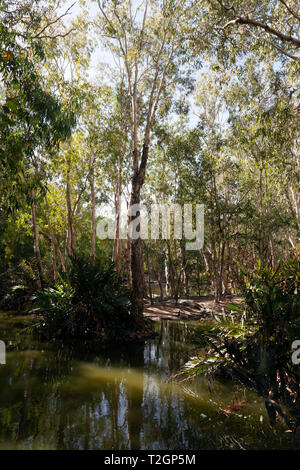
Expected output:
(223, 187)
(68, 56)
(272, 24)
(104, 123)
(32, 119)
(30, 115)
(251, 166)
(147, 41)
(266, 137)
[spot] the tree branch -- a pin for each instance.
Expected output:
(258, 24)
(292, 12)
(294, 57)
(53, 22)
(59, 35)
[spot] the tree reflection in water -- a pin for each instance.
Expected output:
(120, 399)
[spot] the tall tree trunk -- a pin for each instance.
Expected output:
(184, 268)
(159, 276)
(61, 259)
(171, 274)
(210, 268)
(53, 251)
(167, 273)
(272, 249)
(137, 268)
(227, 275)
(36, 245)
(70, 230)
(128, 253)
(260, 236)
(93, 214)
(134, 70)
(117, 253)
(198, 275)
(219, 286)
(149, 276)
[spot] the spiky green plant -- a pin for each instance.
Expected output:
(90, 300)
(261, 359)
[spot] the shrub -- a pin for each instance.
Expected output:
(89, 301)
(272, 298)
(17, 285)
(261, 358)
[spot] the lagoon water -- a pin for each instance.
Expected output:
(120, 398)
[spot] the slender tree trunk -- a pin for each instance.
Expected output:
(228, 274)
(209, 267)
(128, 254)
(167, 273)
(53, 250)
(184, 268)
(159, 276)
(134, 70)
(272, 249)
(93, 215)
(149, 276)
(137, 268)
(36, 245)
(219, 291)
(260, 236)
(61, 258)
(171, 274)
(70, 230)
(117, 253)
(198, 276)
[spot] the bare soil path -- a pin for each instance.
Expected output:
(191, 308)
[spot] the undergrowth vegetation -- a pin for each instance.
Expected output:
(90, 300)
(254, 347)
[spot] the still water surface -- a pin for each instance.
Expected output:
(120, 398)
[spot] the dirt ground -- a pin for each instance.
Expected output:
(192, 308)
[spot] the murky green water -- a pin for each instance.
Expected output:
(120, 399)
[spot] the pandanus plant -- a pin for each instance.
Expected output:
(90, 300)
